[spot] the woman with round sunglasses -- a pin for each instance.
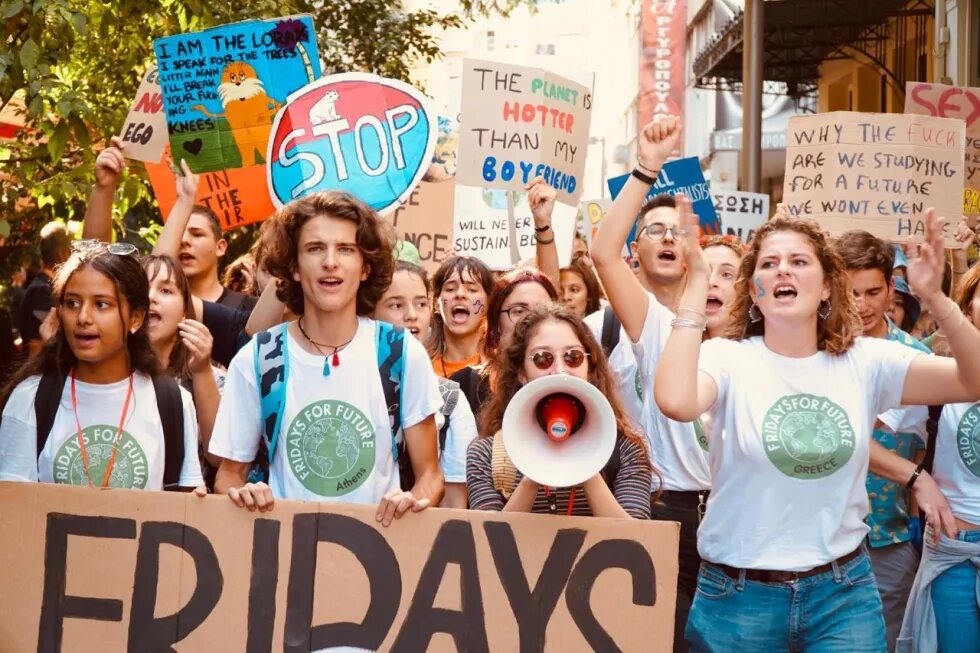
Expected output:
(549, 340)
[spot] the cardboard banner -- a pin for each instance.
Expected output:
(953, 102)
(875, 171)
(481, 227)
(518, 123)
(680, 177)
(426, 221)
(664, 32)
(222, 87)
(144, 133)
(592, 212)
(367, 135)
(115, 570)
(741, 213)
(238, 196)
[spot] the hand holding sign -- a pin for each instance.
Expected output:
(110, 164)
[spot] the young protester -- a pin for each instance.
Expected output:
(645, 303)
(903, 308)
(323, 411)
(54, 249)
(944, 611)
(869, 262)
(796, 392)
(407, 304)
(240, 275)
(92, 409)
(580, 290)
(724, 256)
(553, 340)
(461, 286)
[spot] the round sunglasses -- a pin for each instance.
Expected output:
(545, 359)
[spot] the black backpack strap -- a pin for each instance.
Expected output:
(932, 430)
(610, 330)
(611, 470)
(171, 410)
(46, 405)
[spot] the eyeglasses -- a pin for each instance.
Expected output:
(545, 359)
(657, 231)
(517, 312)
(119, 249)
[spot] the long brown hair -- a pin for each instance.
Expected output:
(835, 334)
(154, 265)
(511, 366)
(477, 271)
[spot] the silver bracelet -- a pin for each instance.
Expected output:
(691, 324)
(692, 310)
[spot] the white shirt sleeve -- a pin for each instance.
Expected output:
(190, 471)
(718, 356)
(420, 388)
(889, 363)
(238, 424)
(648, 346)
(462, 431)
(18, 434)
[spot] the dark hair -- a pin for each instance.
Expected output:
(153, 265)
(281, 242)
(592, 289)
(656, 202)
(511, 365)
(862, 251)
(236, 275)
(213, 221)
(131, 285)
(54, 245)
(477, 270)
(505, 286)
(417, 270)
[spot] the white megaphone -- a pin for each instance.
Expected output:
(559, 430)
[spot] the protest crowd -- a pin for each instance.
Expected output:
(804, 403)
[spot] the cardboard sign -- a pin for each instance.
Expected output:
(953, 102)
(367, 135)
(144, 134)
(238, 196)
(223, 86)
(481, 227)
(518, 123)
(875, 171)
(684, 177)
(592, 212)
(426, 220)
(117, 570)
(741, 213)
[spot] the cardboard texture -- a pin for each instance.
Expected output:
(144, 133)
(426, 220)
(367, 135)
(144, 570)
(875, 171)
(741, 213)
(222, 87)
(517, 123)
(963, 103)
(238, 196)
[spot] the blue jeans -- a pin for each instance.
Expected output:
(839, 610)
(954, 600)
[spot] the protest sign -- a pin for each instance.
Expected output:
(741, 213)
(144, 133)
(367, 135)
(592, 212)
(482, 228)
(238, 196)
(223, 86)
(874, 171)
(684, 177)
(518, 123)
(116, 570)
(426, 221)
(953, 102)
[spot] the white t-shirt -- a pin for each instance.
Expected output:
(957, 464)
(790, 462)
(140, 455)
(675, 448)
(335, 439)
(462, 430)
(623, 364)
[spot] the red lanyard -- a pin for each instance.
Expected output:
(553, 501)
(81, 438)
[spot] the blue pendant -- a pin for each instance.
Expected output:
(326, 366)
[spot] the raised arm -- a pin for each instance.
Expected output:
(624, 291)
(965, 237)
(542, 197)
(109, 166)
(173, 230)
(934, 380)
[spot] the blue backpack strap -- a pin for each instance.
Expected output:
(271, 359)
(391, 367)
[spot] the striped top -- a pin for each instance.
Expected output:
(631, 487)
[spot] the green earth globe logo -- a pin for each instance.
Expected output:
(330, 448)
(809, 438)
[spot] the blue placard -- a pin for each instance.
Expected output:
(682, 176)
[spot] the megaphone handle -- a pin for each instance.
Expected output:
(553, 501)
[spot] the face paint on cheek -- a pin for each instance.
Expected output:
(478, 307)
(758, 285)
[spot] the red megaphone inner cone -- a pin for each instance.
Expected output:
(560, 415)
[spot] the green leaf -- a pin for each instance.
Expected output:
(13, 8)
(29, 52)
(80, 130)
(58, 140)
(79, 21)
